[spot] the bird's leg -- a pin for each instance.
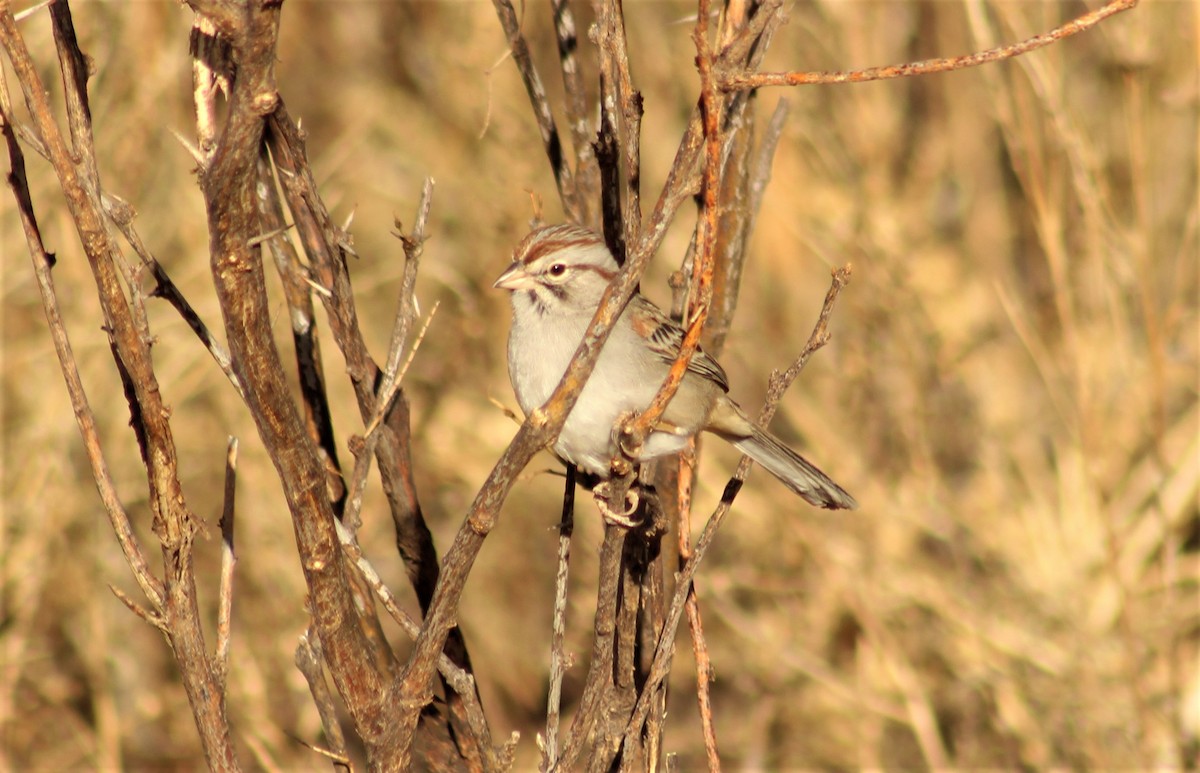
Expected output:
(617, 502)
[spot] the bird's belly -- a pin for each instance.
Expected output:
(624, 381)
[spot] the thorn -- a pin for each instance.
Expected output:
(190, 148)
(23, 15)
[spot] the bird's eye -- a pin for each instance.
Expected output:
(558, 269)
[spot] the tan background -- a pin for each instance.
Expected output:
(1011, 391)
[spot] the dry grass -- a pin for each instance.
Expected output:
(1011, 392)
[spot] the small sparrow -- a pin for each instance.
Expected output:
(556, 279)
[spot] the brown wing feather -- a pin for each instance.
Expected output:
(668, 339)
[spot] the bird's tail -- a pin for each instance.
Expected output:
(794, 471)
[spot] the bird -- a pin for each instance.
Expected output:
(557, 277)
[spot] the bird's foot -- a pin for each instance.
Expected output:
(624, 518)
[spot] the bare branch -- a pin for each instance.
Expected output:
(309, 662)
(461, 680)
(175, 525)
(587, 181)
(228, 561)
(752, 80)
(541, 107)
(559, 663)
(85, 418)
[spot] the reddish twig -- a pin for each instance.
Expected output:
(752, 80)
(687, 469)
(779, 383)
(634, 432)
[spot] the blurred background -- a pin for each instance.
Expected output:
(1010, 392)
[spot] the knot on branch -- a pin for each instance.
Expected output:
(265, 102)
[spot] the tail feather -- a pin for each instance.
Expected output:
(794, 471)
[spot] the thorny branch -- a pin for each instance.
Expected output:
(175, 610)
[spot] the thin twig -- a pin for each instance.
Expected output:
(362, 462)
(587, 180)
(85, 418)
(310, 663)
(620, 99)
(228, 561)
(599, 682)
(310, 369)
(394, 369)
(152, 617)
(559, 661)
(541, 105)
(751, 80)
(687, 469)
(121, 214)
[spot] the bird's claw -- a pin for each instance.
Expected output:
(624, 518)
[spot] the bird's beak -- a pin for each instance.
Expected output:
(515, 277)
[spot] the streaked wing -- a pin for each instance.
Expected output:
(666, 339)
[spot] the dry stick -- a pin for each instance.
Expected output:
(728, 260)
(608, 159)
(121, 214)
(43, 262)
(614, 65)
(324, 245)
(310, 369)
(559, 662)
(587, 175)
(701, 284)
(596, 687)
(752, 80)
(779, 384)
(541, 106)
(704, 672)
(389, 380)
(653, 614)
(406, 307)
(238, 275)
(317, 415)
(362, 461)
(228, 560)
(462, 681)
(746, 50)
(176, 525)
(310, 663)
